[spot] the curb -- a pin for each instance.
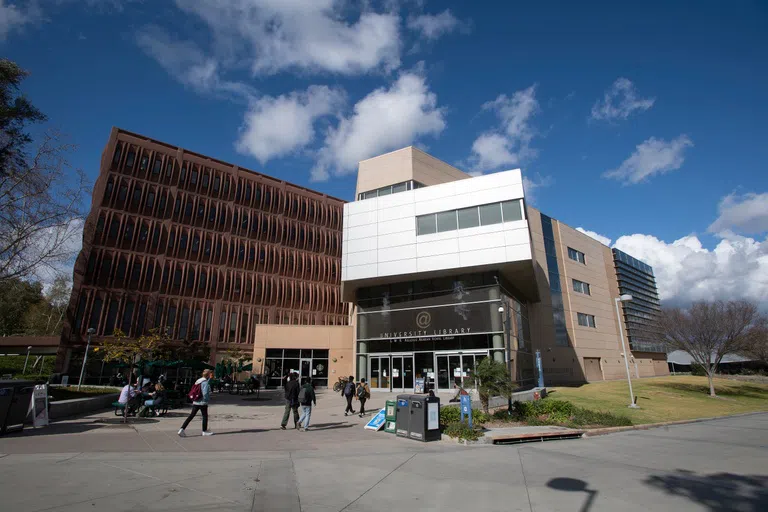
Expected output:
(610, 430)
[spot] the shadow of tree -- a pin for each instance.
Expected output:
(746, 391)
(54, 429)
(719, 491)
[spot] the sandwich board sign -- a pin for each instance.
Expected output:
(377, 422)
(39, 405)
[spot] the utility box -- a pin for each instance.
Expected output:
(390, 415)
(424, 424)
(403, 415)
(15, 400)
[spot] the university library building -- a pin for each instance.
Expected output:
(424, 274)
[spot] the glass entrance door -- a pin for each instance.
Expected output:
(402, 373)
(380, 373)
(391, 373)
(456, 370)
(306, 368)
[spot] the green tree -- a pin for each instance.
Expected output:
(40, 196)
(46, 317)
(15, 112)
(492, 379)
(17, 297)
(147, 347)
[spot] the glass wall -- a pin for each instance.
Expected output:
(306, 362)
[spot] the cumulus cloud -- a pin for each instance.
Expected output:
(275, 127)
(187, 63)
(597, 236)
(386, 119)
(433, 26)
(686, 271)
(13, 17)
(620, 101)
(652, 157)
(746, 213)
(530, 186)
(309, 35)
(509, 142)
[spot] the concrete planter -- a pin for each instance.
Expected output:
(75, 406)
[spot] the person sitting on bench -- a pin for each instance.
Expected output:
(155, 402)
(130, 398)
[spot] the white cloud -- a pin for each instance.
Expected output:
(597, 236)
(386, 119)
(310, 35)
(72, 238)
(432, 26)
(530, 186)
(654, 156)
(275, 127)
(187, 63)
(747, 213)
(509, 143)
(685, 271)
(13, 17)
(620, 101)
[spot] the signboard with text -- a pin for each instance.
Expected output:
(377, 422)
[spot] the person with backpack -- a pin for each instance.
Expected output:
(291, 402)
(349, 394)
(363, 393)
(199, 394)
(306, 398)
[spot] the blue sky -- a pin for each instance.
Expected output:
(643, 123)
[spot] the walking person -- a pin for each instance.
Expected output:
(349, 394)
(200, 394)
(291, 402)
(307, 397)
(363, 393)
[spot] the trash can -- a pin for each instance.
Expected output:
(403, 415)
(15, 400)
(424, 423)
(390, 415)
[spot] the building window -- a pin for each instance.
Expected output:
(193, 178)
(577, 256)
(150, 200)
(184, 323)
(144, 163)
(130, 159)
(157, 166)
(171, 321)
(490, 214)
(586, 320)
(111, 317)
(512, 210)
(426, 224)
(446, 221)
(136, 196)
(125, 326)
(122, 193)
(118, 151)
(232, 326)
(95, 314)
(169, 169)
(141, 319)
(216, 183)
(581, 287)
(196, 325)
(183, 176)
(468, 218)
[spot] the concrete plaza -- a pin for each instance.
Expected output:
(98, 463)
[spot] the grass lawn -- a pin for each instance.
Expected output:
(668, 398)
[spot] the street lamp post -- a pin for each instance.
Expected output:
(625, 298)
(85, 358)
(27, 359)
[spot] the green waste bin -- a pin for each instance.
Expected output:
(391, 416)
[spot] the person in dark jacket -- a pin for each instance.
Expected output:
(349, 393)
(291, 402)
(307, 397)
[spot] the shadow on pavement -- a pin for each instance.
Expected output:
(329, 426)
(574, 485)
(54, 429)
(719, 491)
(245, 431)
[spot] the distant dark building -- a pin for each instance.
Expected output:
(641, 314)
(207, 250)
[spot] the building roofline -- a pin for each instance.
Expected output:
(222, 162)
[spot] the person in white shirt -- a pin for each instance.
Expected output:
(129, 396)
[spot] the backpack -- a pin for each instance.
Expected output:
(349, 389)
(361, 392)
(196, 393)
(304, 396)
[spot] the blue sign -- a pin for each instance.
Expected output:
(418, 386)
(465, 404)
(377, 422)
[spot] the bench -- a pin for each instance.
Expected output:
(120, 409)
